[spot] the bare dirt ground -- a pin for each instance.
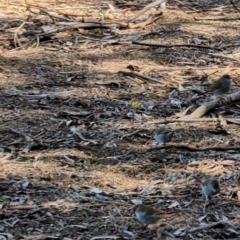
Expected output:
(76, 147)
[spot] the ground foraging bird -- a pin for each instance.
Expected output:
(163, 135)
(209, 187)
(222, 86)
(147, 215)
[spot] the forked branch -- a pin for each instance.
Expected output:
(207, 106)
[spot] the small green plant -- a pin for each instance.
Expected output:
(87, 161)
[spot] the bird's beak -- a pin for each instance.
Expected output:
(132, 211)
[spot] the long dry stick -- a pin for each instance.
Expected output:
(175, 45)
(207, 226)
(134, 74)
(231, 120)
(217, 18)
(193, 149)
(222, 56)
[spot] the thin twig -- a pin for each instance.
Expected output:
(182, 120)
(218, 102)
(134, 74)
(194, 149)
(131, 134)
(194, 9)
(55, 16)
(234, 6)
(149, 6)
(207, 226)
(104, 237)
(230, 45)
(218, 18)
(230, 120)
(16, 40)
(150, 20)
(222, 56)
(75, 25)
(175, 45)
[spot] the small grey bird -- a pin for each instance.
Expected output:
(147, 215)
(222, 86)
(163, 135)
(209, 186)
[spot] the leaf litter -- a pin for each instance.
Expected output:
(80, 96)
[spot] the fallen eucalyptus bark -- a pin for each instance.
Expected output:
(207, 106)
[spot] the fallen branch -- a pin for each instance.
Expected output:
(230, 120)
(175, 45)
(133, 133)
(206, 107)
(194, 149)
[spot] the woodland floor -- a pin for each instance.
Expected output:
(76, 150)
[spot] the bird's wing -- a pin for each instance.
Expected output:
(217, 84)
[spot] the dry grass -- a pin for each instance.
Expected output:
(57, 185)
